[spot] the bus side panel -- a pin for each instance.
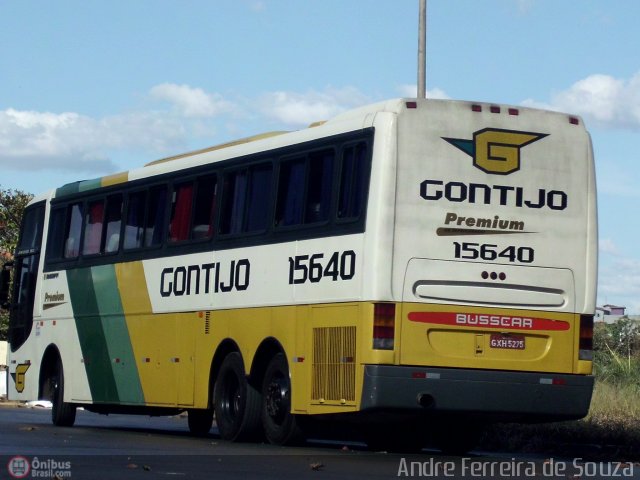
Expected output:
(162, 345)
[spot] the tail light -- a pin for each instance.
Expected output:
(384, 325)
(586, 338)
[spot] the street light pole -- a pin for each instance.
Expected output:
(422, 50)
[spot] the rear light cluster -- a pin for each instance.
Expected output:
(384, 326)
(495, 109)
(586, 338)
(476, 107)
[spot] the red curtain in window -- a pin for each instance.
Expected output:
(179, 227)
(93, 232)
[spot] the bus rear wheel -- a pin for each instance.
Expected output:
(63, 414)
(236, 401)
(279, 424)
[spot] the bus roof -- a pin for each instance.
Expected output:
(267, 140)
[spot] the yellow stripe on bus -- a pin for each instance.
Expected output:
(151, 336)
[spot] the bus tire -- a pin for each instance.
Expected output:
(200, 421)
(280, 425)
(63, 414)
(236, 401)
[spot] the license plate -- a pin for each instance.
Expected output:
(509, 342)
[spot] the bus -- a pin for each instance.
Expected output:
(415, 269)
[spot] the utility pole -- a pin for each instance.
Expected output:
(422, 50)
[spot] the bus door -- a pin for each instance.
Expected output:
(27, 261)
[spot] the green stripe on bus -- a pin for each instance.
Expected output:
(97, 361)
(114, 326)
(77, 187)
(67, 189)
(90, 184)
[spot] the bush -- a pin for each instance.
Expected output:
(617, 353)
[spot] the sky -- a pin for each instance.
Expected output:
(90, 88)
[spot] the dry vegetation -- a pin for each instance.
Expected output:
(611, 431)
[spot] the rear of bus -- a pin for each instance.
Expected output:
(494, 265)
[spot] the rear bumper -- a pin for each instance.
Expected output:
(504, 396)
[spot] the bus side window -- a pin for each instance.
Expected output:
(204, 207)
(291, 187)
(234, 197)
(134, 225)
(94, 219)
(73, 231)
(155, 222)
(55, 248)
(246, 199)
(113, 222)
(304, 189)
(319, 186)
(259, 198)
(353, 178)
(181, 202)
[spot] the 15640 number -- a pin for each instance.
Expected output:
(311, 268)
(489, 252)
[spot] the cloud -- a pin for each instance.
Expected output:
(301, 109)
(35, 140)
(69, 141)
(181, 117)
(258, 6)
(525, 6)
(191, 102)
(602, 99)
(606, 245)
(411, 91)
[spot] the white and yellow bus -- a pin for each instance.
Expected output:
(417, 265)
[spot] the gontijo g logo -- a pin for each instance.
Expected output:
(495, 150)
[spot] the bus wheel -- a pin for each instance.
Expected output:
(62, 414)
(280, 425)
(200, 421)
(236, 401)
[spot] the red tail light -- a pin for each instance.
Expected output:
(586, 338)
(384, 323)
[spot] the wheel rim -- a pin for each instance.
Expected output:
(231, 397)
(277, 398)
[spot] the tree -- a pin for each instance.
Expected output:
(12, 205)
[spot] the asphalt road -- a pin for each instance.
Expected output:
(132, 447)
